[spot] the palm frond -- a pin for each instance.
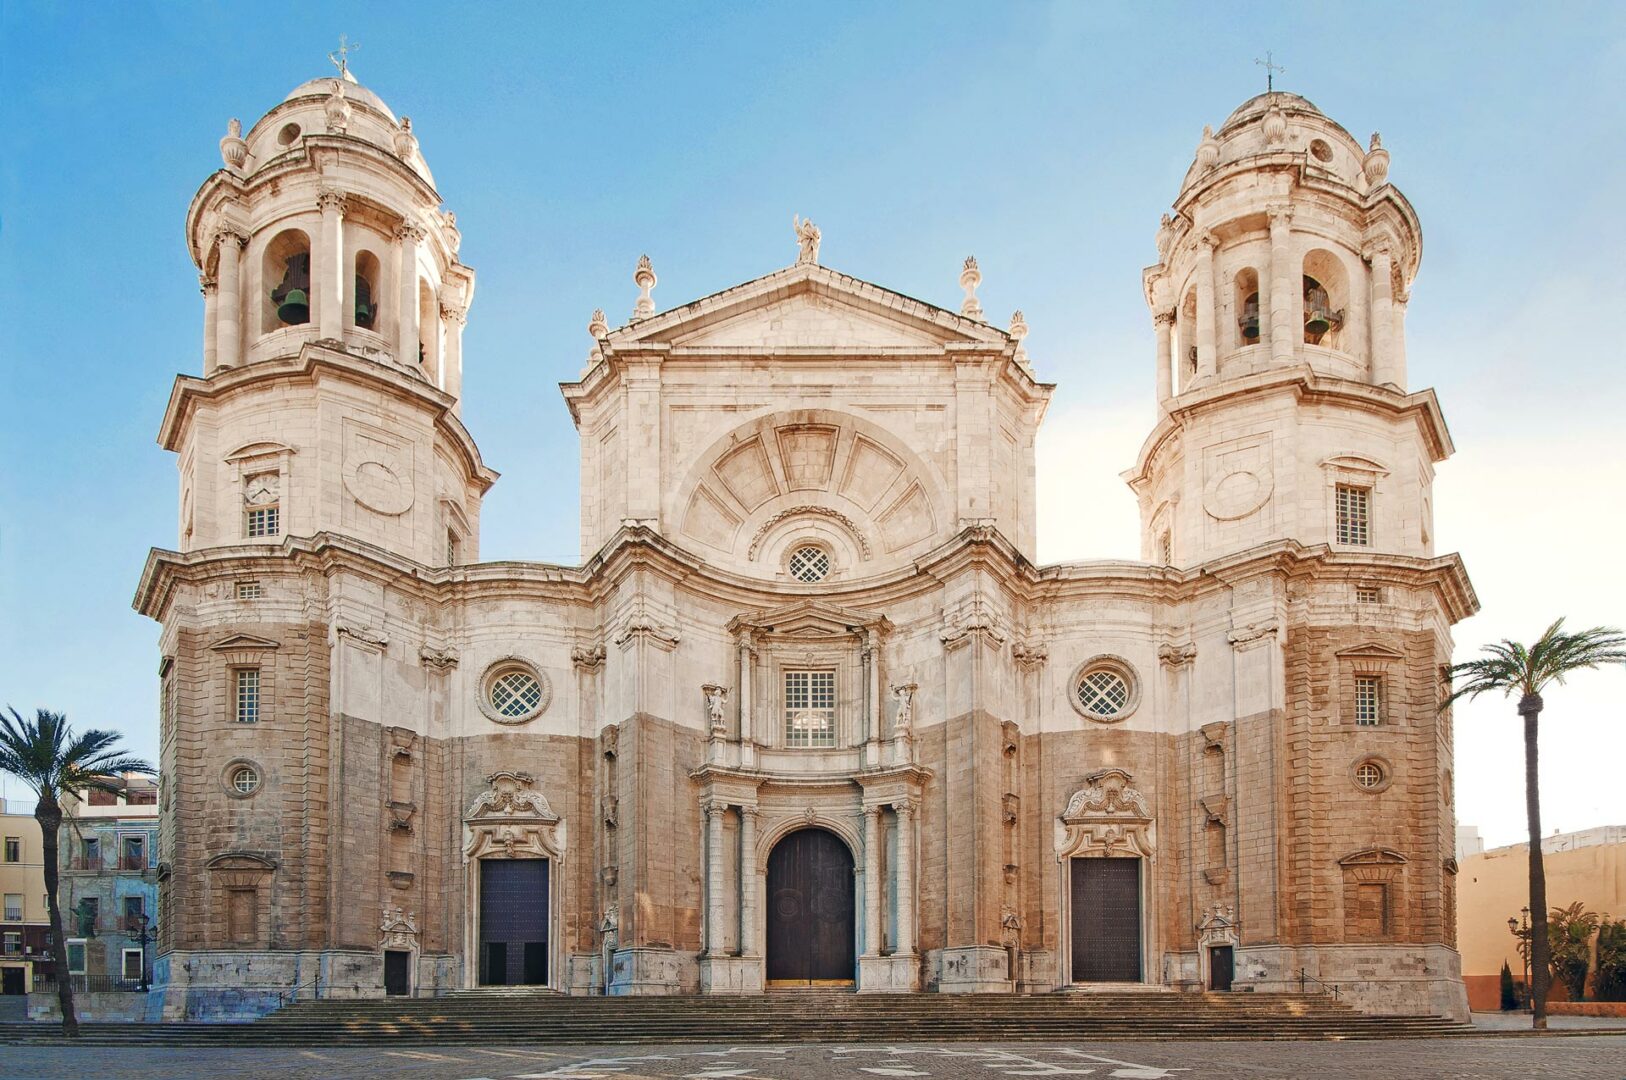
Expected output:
(1511, 668)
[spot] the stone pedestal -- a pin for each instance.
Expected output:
(731, 975)
(651, 971)
(888, 974)
(975, 969)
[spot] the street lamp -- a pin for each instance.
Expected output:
(143, 938)
(1521, 930)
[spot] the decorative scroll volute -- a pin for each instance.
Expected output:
(1106, 816)
(511, 821)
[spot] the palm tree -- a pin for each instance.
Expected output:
(49, 757)
(1511, 668)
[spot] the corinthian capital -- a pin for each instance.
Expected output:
(406, 231)
(330, 199)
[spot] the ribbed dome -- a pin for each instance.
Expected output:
(1257, 106)
(354, 91)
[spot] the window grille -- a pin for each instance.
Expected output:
(245, 780)
(262, 521)
(1368, 701)
(1369, 774)
(810, 708)
(1165, 550)
(1354, 515)
(248, 695)
(1365, 595)
(1103, 692)
(809, 564)
(248, 590)
(515, 693)
(133, 963)
(14, 849)
(14, 907)
(451, 548)
(14, 942)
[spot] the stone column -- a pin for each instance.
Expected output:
(407, 336)
(327, 281)
(229, 303)
(906, 877)
(1383, 315)
(1284, 297)
(209, 287)
(1207, 341)
(872, 881)
(714, 811)
(1163, 322)
(451, 364)
(748, 880)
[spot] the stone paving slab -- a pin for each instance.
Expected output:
(1585, 1057)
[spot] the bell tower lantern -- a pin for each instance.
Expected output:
(332, 366)
(1278, 302)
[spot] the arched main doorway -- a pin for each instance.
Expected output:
(812, 940)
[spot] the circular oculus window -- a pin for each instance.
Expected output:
(1371, 775)
(809, 564)
(241, 778)
(513, 692)
(1105, 689)
(1320, 150)
(288, 134)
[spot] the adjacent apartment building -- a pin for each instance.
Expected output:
(109, 884)
(25, 930)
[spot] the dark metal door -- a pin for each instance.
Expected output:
(513, 922)
(811, 937)
(13, 977)
(1220, 967)
(396, 981)
(1106, 920)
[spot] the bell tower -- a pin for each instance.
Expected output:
(1279, 301)
(332, 367)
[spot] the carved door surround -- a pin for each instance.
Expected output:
(1108, 818)
(512, 820)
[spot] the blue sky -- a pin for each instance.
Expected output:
(1045, 139)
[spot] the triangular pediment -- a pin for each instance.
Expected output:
(1371, 651)
(811, 618)
(810, 308)
(244, 641)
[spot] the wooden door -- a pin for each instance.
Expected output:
(397, 980)
(811, 937)
(513, 922)
(1106, 920)
(1220, 967)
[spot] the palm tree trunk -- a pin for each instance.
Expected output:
(1540, 958)
(49, 815)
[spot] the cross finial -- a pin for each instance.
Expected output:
(341, 58)
(1270, 71)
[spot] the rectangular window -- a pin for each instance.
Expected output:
(89, 909)
(134, 908)
(248, 590)
(90, 854)
(1368, 595)
(133, 963)
(1368, 700)
(76, 957)
(262, 521)
(14, 907)
(1354, 515)
(14, 943)
(135, 853)
(246, 694)
(810, 708)
(451, 548)
(14, 849)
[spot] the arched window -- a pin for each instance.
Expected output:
(428, 332)
(369, 290)
(285, 277)
(1246, 292)
(1326, 298)
(1186, 339)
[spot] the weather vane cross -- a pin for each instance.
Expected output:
(1270, 71)
(341, 59)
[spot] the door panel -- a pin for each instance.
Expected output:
(397, 981)
(811, 934)
(1220, 967)
(1106, 920)
(513, 922)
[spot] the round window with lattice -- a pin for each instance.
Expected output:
(513, 691)
(809, 564)
(1105, 689)
(1371, 774)
(241, 778)
(245, 780)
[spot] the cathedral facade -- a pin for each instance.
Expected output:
(807, 712)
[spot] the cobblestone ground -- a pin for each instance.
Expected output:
(1572, 1058)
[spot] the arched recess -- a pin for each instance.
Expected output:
(1245, 297)
(1326, 299)
(368, 292)
(285, 281)
(509, 823)
(429, 332)
(811, 476)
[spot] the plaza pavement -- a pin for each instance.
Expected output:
(1572, 1057)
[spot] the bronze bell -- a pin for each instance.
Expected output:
(1317, 311)
(292, 296)
(366, 310)
(1250, 319)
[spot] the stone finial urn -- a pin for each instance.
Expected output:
(970, 278)
(1375, 165)
(233, 148)
(1208, 151)
(406, 143)
(644, 278)
(1165, 237)
(1275, 126)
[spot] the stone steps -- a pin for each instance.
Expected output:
(520, 1017)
